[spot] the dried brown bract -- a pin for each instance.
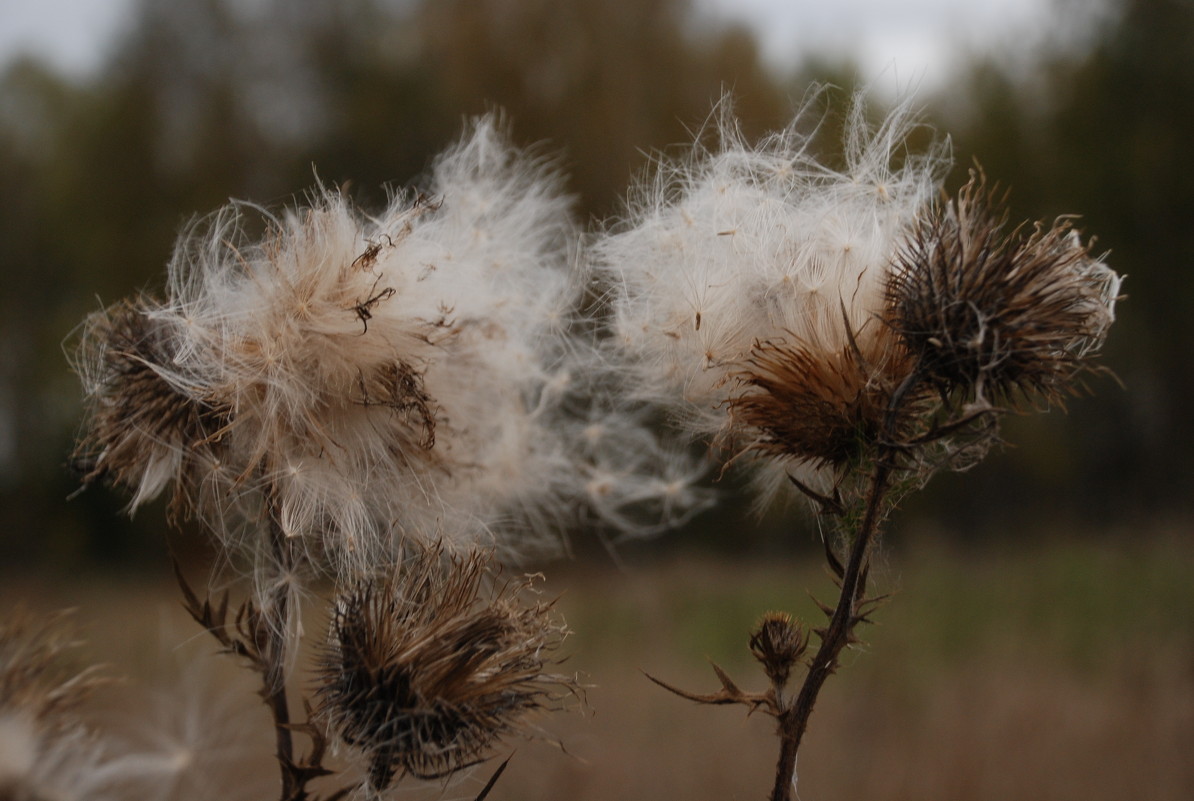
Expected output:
(778, 643)
(427, 667)
(400, 387)
(1001, 315)
(824, 408)
(147, 421)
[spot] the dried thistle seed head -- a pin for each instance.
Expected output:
(745, 243)
(148, 420)
(428, 666)
(739, 244)
(367, 377)
(824, 408)
(999, 315)
(778, 643)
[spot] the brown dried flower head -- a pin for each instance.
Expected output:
(148, 422)
(1000, 315)
(821, 407)
(426, 668)
(778, 643)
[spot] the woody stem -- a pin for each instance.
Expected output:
(793, 720)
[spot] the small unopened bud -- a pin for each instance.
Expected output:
(778, 643)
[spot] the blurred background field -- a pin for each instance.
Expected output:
(1040, 641)
(1061, 672)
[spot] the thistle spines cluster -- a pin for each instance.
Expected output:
(427, 666)
(999, 316)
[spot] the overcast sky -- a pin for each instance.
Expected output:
(900, 42)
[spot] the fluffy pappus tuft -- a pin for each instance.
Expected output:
(35, 767)
(738, 257)
(363, 379)
(1001, 315)
(426, 667)
(196, 736)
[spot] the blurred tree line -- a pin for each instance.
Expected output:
(209, 99)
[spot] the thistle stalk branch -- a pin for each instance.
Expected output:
(257, 633)
(793, 718)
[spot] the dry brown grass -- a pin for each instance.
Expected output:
(1060, 673)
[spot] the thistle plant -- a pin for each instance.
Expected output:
(847, 333)
(367, 401)
(364, 380)
(386, 408)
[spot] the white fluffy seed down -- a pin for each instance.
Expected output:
(414, 374)
(740, 244)
(384, 374)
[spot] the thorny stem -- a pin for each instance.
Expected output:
(793, 719)
(259, 635)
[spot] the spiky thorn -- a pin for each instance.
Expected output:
(828, 505)
(853, 607)
(833, 562)
(311, 766)
(729, 693)
(497, 774)
(864, 605)
(214, 620)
